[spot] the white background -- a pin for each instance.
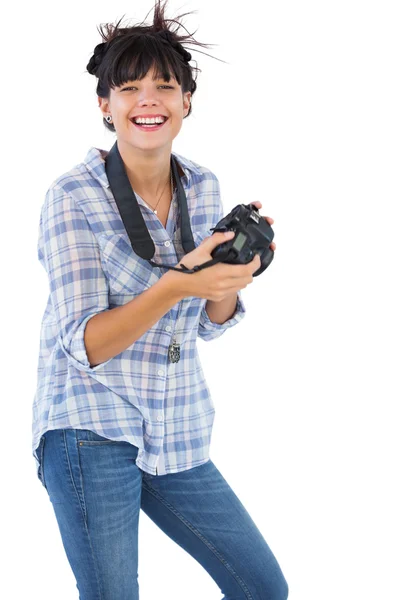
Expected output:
(305, 118)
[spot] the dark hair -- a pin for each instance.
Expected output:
(128, 53)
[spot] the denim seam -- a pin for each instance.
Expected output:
(41, 449)
(203, 539)
(82, 505)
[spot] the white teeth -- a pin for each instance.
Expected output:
(150, 121)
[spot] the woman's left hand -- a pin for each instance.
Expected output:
(268, 219)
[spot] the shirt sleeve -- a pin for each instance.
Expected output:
(68, 251)
(207, 329)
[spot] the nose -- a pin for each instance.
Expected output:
(148, 95)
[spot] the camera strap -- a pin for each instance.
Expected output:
(132, 218)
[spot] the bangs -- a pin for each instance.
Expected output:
(136, 58)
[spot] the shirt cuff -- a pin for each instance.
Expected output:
(76, 354)
(208, 330)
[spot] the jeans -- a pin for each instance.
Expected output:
(97, 491)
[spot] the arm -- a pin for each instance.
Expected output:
(217, 317)
(109, 333)
(210, 330)
(90, 334)
(219, 312)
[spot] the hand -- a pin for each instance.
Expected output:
(269, 220)
(215, 282)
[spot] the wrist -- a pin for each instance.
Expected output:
(178, 284)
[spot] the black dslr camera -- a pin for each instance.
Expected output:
(253, 234)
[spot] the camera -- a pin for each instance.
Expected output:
(253, 235)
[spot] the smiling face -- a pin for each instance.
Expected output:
(147, 96)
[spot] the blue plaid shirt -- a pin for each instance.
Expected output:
(137, 396)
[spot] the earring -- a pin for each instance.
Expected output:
(109, 118)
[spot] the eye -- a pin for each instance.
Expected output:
(132, 87)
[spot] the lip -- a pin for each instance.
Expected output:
(149, 129)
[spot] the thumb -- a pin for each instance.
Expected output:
(214, 240)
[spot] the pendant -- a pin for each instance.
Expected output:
(174, 352)
(155, 212)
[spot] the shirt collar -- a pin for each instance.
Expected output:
(94, 163)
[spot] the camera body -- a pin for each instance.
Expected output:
(253, 235)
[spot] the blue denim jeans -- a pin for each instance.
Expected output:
(97, 492)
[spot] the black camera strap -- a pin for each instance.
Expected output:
(132, 218)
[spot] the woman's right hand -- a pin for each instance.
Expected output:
(215, 282)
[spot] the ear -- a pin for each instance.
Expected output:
(103, 105)
(186, 102)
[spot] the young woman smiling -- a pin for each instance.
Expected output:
(116, 426)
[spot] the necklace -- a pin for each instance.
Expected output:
(171, 184)
(174, 349)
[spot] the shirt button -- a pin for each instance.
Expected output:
(168, 328)
(160, 372)
(159, 418)
(167, 243)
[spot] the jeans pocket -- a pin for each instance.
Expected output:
(40, 453)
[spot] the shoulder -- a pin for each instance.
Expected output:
(206, 194)
(81, 183)
(78, 177)
(194, 170)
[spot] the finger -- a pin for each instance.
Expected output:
(241, 271)
(256, 259)
(219, 237)
(270, 220)
(256, 262)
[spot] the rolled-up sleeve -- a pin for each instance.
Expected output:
(68, 250)
(209, 331)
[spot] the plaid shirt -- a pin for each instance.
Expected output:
(137, 396)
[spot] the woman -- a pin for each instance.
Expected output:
(122, 416)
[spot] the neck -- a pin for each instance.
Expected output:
(147, 171)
